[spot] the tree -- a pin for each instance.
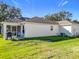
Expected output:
(62, 15)
(8, 13)
(65, 15)
(14, 13)
(3, 12)
(76, 21)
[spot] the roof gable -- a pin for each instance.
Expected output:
(65, 22)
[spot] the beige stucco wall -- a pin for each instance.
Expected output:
(39, 29)
(75, 29)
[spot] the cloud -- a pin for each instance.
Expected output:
(56, 6)
(60, 3)
(64, 3)
(57, 2)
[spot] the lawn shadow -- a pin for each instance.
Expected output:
(49, 38)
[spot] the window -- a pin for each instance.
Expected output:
(8, 28)
(51, 28)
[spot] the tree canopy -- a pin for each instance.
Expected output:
(62, 15)
(8, 12)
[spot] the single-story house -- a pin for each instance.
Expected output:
(38, 28)
(28, 29)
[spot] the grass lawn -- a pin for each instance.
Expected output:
(40, 48)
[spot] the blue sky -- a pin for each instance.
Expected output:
(30, 8)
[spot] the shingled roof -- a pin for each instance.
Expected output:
(14, 20)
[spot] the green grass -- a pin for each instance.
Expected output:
(40, 48)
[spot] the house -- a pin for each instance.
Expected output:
(29, 28)
(38, 28)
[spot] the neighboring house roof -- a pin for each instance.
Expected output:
(25, 18)
(41, 20)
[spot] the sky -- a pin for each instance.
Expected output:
(31, 8)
